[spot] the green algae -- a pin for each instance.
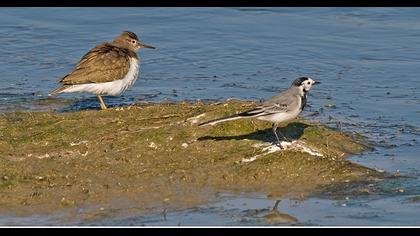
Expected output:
(140, 158)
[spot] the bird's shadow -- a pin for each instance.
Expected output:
(92, 102)
(292, 131)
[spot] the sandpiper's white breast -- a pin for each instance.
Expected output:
(112, 88)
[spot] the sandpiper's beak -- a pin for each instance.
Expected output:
(142, 45)
(317, 82)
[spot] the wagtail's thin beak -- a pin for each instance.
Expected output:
(142, 45)
(317, 82)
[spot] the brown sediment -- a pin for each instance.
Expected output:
(141, 159)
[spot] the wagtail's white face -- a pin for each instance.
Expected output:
(304, 83)
(307, 84)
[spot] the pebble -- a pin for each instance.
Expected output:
(152, 145)
(330, 105)
(39, 178)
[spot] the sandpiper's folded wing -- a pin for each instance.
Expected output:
(104, 63)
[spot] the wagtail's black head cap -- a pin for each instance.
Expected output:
(299, 81)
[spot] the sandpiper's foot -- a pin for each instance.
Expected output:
(101, 101)
(103, 107)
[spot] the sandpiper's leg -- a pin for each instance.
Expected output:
(275, 133)
(101, 101)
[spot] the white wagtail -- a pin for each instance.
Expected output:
(283, 107)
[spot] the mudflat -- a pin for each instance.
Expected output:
(149, 157)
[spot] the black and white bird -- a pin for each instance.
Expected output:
(283, 107)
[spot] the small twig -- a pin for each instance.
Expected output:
(276, 205)
(164, 214)
(160, 117)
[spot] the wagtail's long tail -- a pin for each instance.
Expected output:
(216, 121)
(247, 114)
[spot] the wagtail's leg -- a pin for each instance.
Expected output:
(275, 133)
(284, 137)
(101, 101)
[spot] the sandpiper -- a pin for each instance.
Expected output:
(109, 68)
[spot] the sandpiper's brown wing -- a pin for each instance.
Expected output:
(103, 63)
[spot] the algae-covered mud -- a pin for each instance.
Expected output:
(152, 158)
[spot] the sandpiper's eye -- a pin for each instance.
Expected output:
(133, 41)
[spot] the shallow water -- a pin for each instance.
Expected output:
(366, 58)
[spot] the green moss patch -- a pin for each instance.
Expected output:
(145, 158)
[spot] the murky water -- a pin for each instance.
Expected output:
(368, 60)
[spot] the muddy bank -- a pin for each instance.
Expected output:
(146, 158)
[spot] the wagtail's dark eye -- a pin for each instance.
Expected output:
(309, 82)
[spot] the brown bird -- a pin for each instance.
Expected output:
(108, 69)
